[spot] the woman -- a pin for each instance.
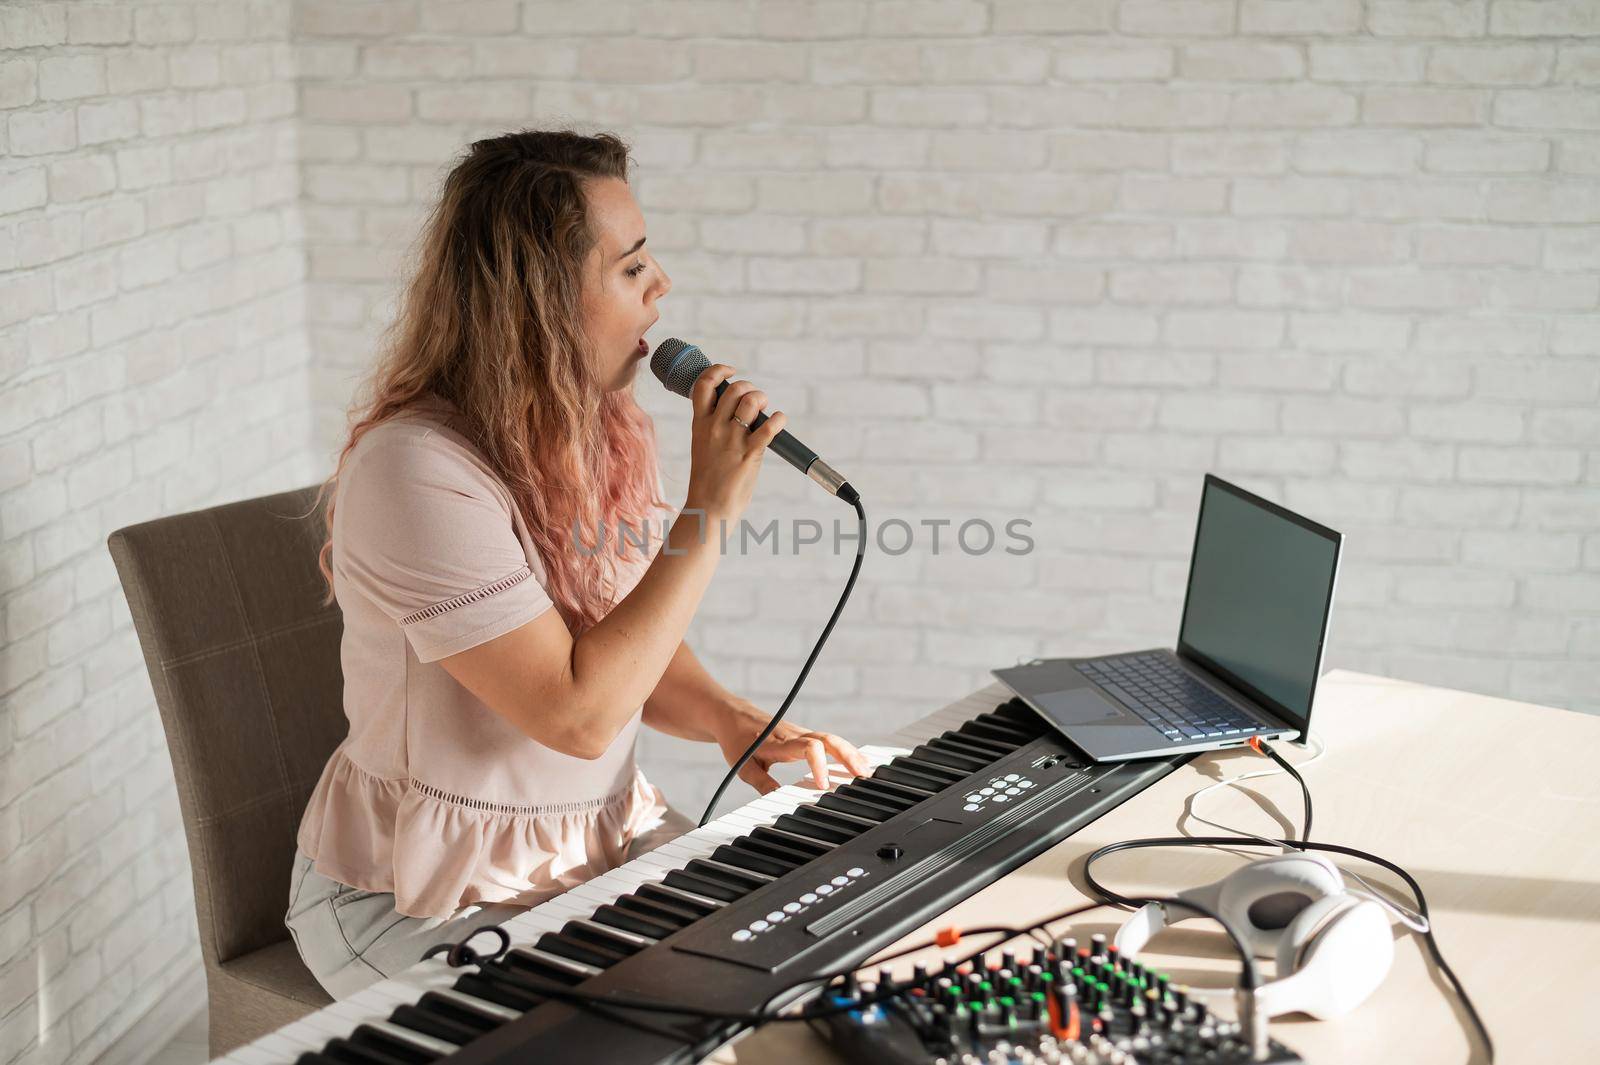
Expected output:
(496, 666)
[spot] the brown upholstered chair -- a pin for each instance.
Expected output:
(244, 659)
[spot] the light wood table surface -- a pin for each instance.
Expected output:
(1494, 807)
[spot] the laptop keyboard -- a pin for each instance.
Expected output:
(1174, 703)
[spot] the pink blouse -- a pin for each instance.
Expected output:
(432, 795)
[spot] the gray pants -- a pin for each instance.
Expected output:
(351, 938)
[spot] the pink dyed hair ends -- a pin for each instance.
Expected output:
(491, 320)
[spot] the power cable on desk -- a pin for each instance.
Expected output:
(1425, 931)
(1414, 921)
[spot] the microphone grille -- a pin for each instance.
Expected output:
(678, 364)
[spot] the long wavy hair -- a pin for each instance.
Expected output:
(491, 321)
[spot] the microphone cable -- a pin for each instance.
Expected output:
(855, 571)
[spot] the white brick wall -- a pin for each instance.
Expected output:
(998, 258)
(153, 358)
(1057, 260)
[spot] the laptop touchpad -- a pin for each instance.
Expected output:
(1078, 706)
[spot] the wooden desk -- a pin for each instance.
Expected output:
(1493, 805)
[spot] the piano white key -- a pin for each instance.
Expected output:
(410, 984)
(681, 851)
(526, 927)
(591, 896)
(290, 1042)
(249, 1054)
(481, 1005)
(705, 840)
(924, 732)
(656, 861)
(375, 1003)
(383, 994)
(609, 885)
(339, 1019)
(719, 831)
(417, 1039)
(932, 725)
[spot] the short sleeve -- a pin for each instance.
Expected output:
(425, 531)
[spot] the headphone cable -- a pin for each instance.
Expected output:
(1428, 937)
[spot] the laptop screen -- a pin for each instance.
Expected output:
(1260, 589)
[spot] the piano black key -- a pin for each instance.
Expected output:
(745, 859)
(886, 790)
(399, 1040)
(468, 1010)
(368, 1038)
(733, 874)
(612, 938)
(512, 978)
(656, 910)
(580, 950)
(967, 749)
(928, 769)
(999, 732)
(429, 1023)
(850, 822)
(344, 1052)
(715, 888)
(311, 1058)
(633, 921)
(694, 900)
(1022, 715)
(813, 830)
(960, 761)
(1008, 724)
(557, 967)
(783, 838)
(899, 774)
(486, 987)
(792, 855)
(966, 745)
(856, 808)
(875, 799)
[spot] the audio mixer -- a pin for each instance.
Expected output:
(1084, 1005)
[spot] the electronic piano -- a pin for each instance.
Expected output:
(799, 882)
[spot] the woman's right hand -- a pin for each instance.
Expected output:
(725, 456)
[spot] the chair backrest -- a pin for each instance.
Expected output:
(244, 660)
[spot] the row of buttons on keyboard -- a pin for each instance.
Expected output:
(1000, 790)
(815, 895)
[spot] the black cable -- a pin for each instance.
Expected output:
(1305, 790)
(1237, 841)
(855, 570)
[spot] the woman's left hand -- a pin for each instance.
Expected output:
(789, 742)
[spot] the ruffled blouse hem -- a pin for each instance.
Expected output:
(438, 852)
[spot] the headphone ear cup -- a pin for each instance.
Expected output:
(1266, 898)
(1332, 958)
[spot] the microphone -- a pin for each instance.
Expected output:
(677, 365)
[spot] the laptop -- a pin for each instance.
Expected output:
(1255, 619)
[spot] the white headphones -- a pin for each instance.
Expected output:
(1333, 948)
